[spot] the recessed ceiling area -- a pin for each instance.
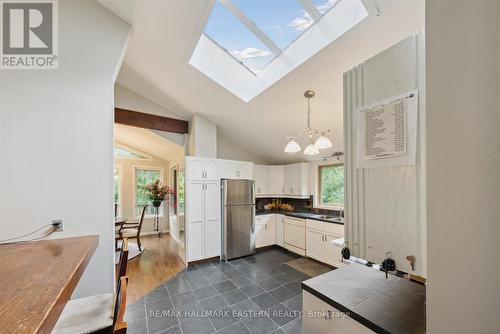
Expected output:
(166, 33)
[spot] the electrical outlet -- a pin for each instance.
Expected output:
(58, 224)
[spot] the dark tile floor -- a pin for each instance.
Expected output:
(259, 294)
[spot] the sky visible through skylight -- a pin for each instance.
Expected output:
(281, 20)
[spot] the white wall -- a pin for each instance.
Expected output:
(463, 166)
(385, 207)
(227, 149)
(56, 143)
(202, 137)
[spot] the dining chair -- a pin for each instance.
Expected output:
(95, 314)
(132, 230)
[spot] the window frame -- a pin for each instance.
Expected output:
(319, 203)
(161, 214)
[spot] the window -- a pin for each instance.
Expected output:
(181, 192)
(331, 185)
(117, 178)
(144, 176)
(125, 153)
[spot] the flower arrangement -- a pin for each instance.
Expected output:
(157, 192)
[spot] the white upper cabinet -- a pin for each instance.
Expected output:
(245, 170)
(289, 178)
(297, 180)
(201, 169)
(276, 180)
(195, 168)
(261, 177)
(229, 169)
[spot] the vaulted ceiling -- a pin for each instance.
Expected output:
(164, 34)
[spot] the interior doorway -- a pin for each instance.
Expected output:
(147, 164)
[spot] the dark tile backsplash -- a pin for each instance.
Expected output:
(305, 205)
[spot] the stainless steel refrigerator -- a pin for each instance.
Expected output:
(238, 218)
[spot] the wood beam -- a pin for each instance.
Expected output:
(148, 121)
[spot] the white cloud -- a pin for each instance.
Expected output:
(325, 6)
(249, 53)
(301, 23)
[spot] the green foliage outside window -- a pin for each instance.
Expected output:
(180, 195)
(117, 186)
(142, 178)
(332, 185)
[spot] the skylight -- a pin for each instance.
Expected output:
(248, 45)
(257, 31)
(232, 35)
(282, 21)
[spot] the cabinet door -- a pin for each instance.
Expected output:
(194, 169)
(228, 169)
(289, 179)
(280, 230)
(195, 220)
(261, 177)
(276, 180)
(333, 255)
(315, 245)
(270, 231)
(212, 220)
(210, 167)
(260, 235)
(245, 170)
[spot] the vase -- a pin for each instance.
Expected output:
(156, 204)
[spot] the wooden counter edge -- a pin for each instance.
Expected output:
(56, 309)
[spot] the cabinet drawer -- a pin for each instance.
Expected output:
(328, 228)
(295, 221)
(263, 219)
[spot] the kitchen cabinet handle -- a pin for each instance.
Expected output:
(266, 226)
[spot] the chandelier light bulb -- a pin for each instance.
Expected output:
(323, 142)
(311, 149)
(292, 147)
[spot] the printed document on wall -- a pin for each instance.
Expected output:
(387, 132)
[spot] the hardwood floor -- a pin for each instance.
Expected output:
(158, 263)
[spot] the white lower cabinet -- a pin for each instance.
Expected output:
(280, 230)
(322, 318)
(265, 230)
(319, 242)
(295, 235)
(315, 242)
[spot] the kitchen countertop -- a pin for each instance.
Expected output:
(300, 214)
(393, 305)
(38, 279)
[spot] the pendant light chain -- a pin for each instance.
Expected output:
(313, 148)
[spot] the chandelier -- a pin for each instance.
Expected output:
(314, 146)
